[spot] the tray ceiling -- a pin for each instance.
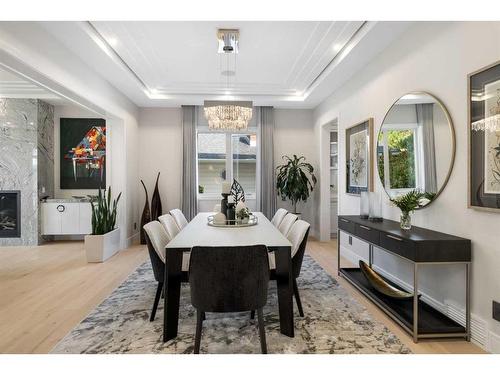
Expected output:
(170, 63)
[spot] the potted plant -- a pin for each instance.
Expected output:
(295, 180)
(105, 238)
(243, 215)
(408, 203)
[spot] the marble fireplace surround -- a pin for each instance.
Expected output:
(27, 160)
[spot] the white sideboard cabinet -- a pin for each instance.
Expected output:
(66, 218)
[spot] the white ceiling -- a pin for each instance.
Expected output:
(13, 86)
(168, 63)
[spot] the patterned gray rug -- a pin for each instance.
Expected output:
(334, 323)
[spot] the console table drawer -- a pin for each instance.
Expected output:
(398, 245)
(367, 233)
(346, 225)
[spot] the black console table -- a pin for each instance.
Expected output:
(421, 247)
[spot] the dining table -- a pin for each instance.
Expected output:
(199, 233)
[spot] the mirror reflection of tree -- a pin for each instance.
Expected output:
(401, 158)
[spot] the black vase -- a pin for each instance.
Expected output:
(231, 214)
(146, 216)
(156, 210)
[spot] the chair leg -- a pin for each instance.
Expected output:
(297, 297)
(252, 314)
(199, 325)
(203, 316)
(159, 290)
(262, 332)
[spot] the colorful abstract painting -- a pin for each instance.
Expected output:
(83, 153)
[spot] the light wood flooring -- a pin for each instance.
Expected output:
(47, 290)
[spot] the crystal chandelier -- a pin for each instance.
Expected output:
(228, 115)
(491, 121)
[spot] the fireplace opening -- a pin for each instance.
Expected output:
(10, 214)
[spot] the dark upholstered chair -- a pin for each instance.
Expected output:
(156, 240)
(229, 279)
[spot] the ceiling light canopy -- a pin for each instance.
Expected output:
(228, 115)
(228, 40)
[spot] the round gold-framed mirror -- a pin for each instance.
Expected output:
(416, 147)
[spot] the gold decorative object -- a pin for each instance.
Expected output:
(381, 285)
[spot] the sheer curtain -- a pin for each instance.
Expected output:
(425, 114)
(189, 186)
(267, 192)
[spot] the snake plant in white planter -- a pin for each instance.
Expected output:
(105, 238)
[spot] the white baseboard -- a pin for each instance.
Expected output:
(132, 240)
(479, 330)
(493, 345)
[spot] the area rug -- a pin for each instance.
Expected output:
(334, 322)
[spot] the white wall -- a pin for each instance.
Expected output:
(433, 57)
(160, 144)
(294, 134)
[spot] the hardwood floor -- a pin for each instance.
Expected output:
(47, 290)
(325, 253)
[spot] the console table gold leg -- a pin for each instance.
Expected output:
(338, 252)
(415, 302)
(467, 300)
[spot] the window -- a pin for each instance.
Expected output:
(216, 164)
(398, 158)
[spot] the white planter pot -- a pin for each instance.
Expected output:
(101, 247)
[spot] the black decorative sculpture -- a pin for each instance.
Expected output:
(156, 210)
(237, 192)
(146, 216)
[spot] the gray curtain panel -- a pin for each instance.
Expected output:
(267, 192)
(425, 118)
(189, 183)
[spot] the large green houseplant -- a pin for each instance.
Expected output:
(295, 180)
(105, 238)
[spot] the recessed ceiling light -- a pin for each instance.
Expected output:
(112, 41)
(337, 47)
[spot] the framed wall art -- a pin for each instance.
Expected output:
(83, 153)
(484, 138)
(359, 150)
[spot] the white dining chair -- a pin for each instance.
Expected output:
(295, 236)
(170, 225)
(278, 217)
(287, 222)
(157, 238)
(298, 237)
(179, 218)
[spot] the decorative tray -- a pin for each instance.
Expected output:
(252, 220)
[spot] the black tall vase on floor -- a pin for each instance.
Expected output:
(146, 216)
(156, 210)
